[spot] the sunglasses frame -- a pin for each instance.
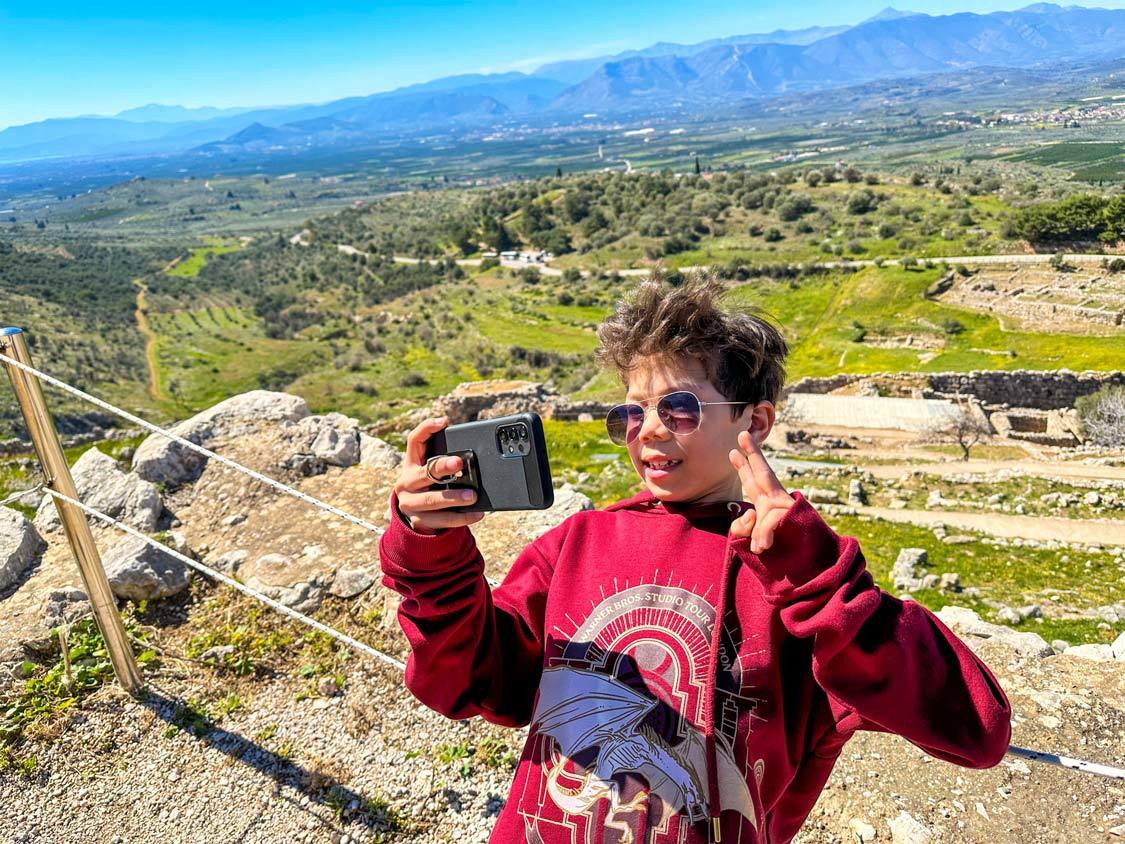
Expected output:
(653, 403)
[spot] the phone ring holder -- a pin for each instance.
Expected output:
(468, 467)
(429, 469)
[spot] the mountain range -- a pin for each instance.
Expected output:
(692, 77)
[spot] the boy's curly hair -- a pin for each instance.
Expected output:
(742, 353)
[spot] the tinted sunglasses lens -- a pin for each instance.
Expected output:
(679, 412)
(624, 422)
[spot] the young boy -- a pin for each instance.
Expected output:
(692, 660)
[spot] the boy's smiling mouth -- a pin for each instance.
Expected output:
(658, 467)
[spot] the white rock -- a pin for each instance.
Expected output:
(1098, 653)
(1119, 647)
(333, 438)
(137, 571)
(822, 496)
(351, 582)
(966, 622)
(377, 454)
(104, 486)
(903, 574)
(160, 459)
(864, 831)
(20, 546)
(905, 829)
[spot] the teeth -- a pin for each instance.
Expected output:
(663, 465)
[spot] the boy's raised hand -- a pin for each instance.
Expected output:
(761, 488)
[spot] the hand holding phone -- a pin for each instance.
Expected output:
(503, 459)
(425, 505)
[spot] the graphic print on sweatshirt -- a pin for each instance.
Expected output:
(618, 726)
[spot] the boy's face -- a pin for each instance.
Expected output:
(704, 472)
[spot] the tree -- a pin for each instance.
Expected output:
(967, 427)
(698, 169)
(558, 172)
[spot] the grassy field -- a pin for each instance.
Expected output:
(218, 350)
(190, 266)
(823, 317)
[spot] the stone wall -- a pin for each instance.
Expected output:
(1044, 390)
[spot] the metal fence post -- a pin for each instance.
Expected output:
(41, 429)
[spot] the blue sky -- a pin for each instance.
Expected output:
(68, 58)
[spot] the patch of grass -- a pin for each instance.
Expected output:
(37, 708)
(495, 753)
(191, 716)
(1008, 575)
(190, 266)
(584, 447)
(254, 640)
(981, 451)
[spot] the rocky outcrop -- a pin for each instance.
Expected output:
(139, 572)
(104, 486)
(20, 546)
(489, 399)
(316, 442)
(161, 460)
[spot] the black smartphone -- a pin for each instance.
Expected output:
(505, 461)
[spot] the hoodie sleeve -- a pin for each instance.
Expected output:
(473, 650)
(884, 664)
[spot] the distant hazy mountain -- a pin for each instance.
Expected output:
(890, 14)
(719, 72)
(577, 70)
(154, 113)
(893, 45)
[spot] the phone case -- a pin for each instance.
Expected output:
(508, 471)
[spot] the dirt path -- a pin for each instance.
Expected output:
(1084, 531)
(968, 260)
(150, 343)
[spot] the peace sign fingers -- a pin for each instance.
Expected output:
(761, 488)
(755, 472)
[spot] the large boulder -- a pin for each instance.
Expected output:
(20, 546)
(104, 486)
(377, 454)
(161, 460)
(138, 572)
(969, 625)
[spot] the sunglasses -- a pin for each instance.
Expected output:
(681, 412)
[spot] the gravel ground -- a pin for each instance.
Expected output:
(364, 765)
(277, 769)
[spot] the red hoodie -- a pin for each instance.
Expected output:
(650, 722)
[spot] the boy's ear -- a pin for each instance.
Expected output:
(760, 421)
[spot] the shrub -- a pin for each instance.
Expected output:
(1102, 415)
(952, 326)
(413, 379)
(773, 235)
(862, 202)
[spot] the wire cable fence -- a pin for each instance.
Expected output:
(343, 638)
